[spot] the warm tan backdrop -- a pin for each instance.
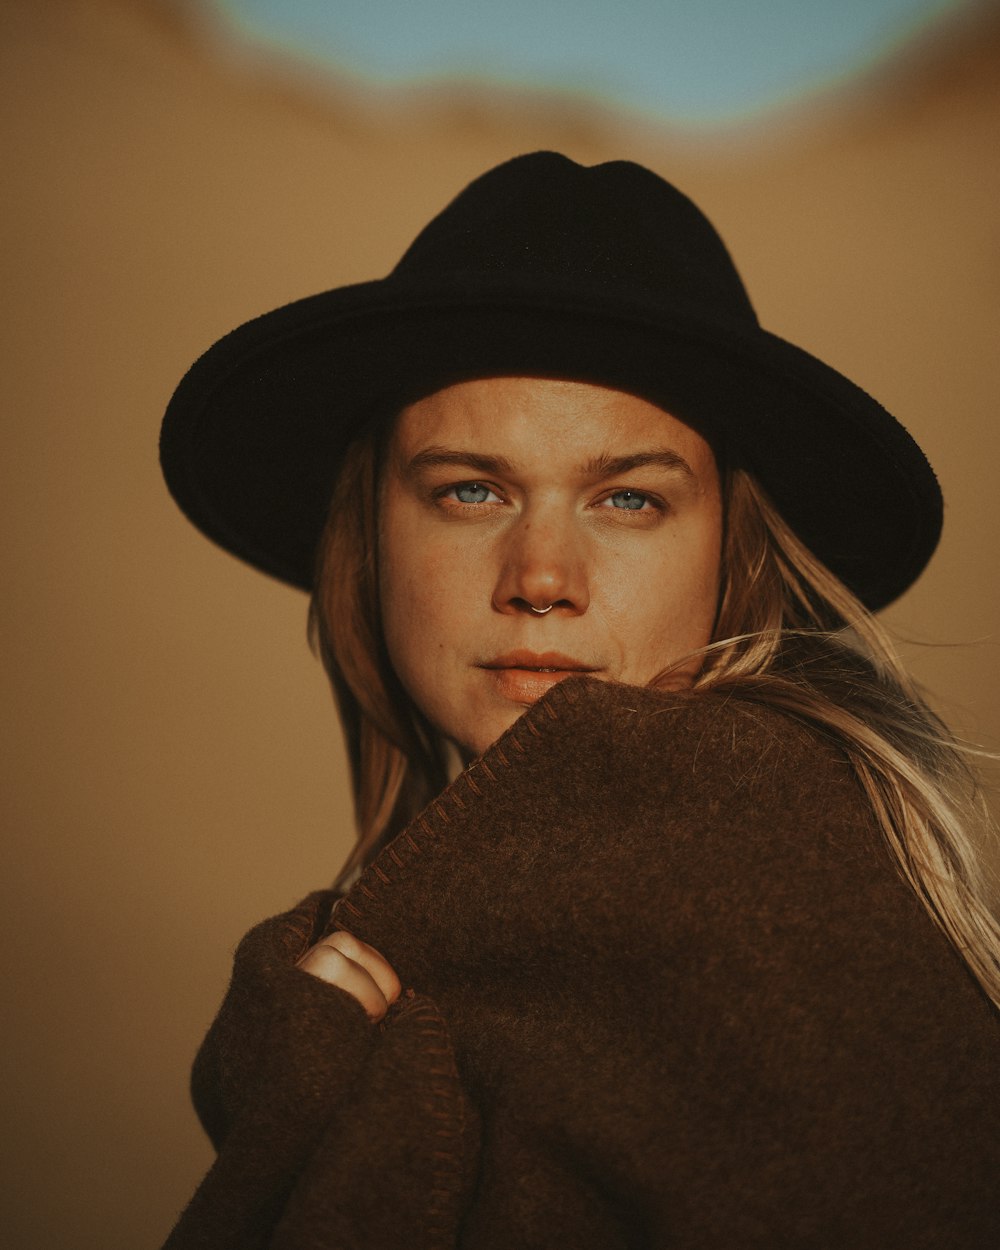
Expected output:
(172, 769)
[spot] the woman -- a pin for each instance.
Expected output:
(696, 948)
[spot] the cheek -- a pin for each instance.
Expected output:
(422, 597)
(416, 578)
(699, 604)
(659, 610)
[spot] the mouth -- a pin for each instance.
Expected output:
(535, 662)
(523, 677)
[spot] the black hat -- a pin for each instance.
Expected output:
(544, 267)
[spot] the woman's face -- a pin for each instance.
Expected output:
(506, 494)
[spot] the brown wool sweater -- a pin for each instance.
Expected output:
(665, 989)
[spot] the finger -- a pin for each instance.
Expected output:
(333, 966)
(367, 957)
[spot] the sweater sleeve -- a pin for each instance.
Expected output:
(397, 1164)
(293, 1084)
(272, 1008)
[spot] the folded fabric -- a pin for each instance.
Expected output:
(665, 988)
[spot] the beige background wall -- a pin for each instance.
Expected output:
(171, 768)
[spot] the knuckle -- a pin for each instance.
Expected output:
(345, 942)
(325, 958)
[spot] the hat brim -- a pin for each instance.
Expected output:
(255, 433)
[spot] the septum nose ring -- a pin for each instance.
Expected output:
(541, 611)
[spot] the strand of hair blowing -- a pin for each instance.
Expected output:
(789, 635)
(792, 636)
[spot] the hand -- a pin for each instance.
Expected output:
(354, 966)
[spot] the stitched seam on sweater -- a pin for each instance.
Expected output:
(448, 1109)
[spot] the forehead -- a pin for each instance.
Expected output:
(529, 416)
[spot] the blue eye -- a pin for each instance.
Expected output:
(472, 492)
(630, 500)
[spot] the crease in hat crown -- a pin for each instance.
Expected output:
(628, 230)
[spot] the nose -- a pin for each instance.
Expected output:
(543, 565)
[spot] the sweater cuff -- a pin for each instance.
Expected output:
(282, 1036)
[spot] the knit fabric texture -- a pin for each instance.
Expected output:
(664, 988)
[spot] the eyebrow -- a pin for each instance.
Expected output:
(434, 457)
(597, 467)
(663, 458)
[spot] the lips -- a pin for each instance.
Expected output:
(540, 662)
(525, 676)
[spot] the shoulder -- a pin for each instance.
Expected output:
(715, 750)
(602, 713)
(715, 804)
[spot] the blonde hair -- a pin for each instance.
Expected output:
(789, 634)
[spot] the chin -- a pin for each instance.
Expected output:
(471, 743)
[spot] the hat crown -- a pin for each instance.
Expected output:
(544, 218)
